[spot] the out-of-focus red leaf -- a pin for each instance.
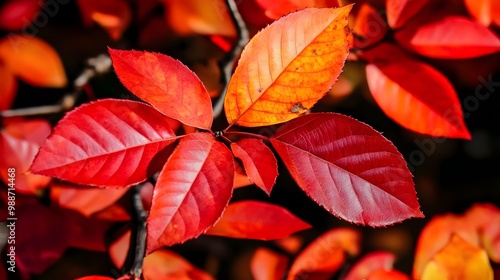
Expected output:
(105, 143)
(287, 67)
(118, 249)
(113, 15)
(8, 87)
(382, 274)
(86, 200)
(189, 17)
(40, 242)
(114, 212)
(451, 37)
(95, 277)
(16, 14)
(19, 143)
(484, 11)
(399, 11)
(278, 8)
(369, 26)
(191, 192)
(325, 255)
(166, 84)
(348, 168)
(84, 233)
(164, 264)
(459, 259)
(291, 244)
(146, 194)
(430, 107)
(33, 60)
(268, 265)
(370, 263)
(257, 220)
(259, 162)
(486, 218)
(253, 14)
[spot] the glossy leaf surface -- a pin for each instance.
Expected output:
(166, 84)
(191, 192)
(105, 143)
(287, 67)
(259, 162)
(325, 255)
(348, 168)
(257, 220)
(268, 265)
(33, 60)
(410, 102)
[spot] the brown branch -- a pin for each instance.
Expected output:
(140, 234)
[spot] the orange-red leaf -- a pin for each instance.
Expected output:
(486, 218)
(278, 8)
(164, 264)
(484, 11)
(32, 59)
(348, 168)
(370, 263)
(95, 277)
(399, 11)
(113, 15)
(369, 26)
(268, 265)
(325, 255)
(192, 190)
(118, 249)
(459, 259)
(287, 67)
(382, 274)
(16, 14)
(166, 84)
(257, 220)
(105, 143)
(430, 107)
(8, 87)
(189, 17)
(259, 162)
(451, 37)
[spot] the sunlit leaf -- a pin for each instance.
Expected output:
(370, 263)
(459, 259)
(259, 162)
(33, 60)
(257, 220)
(105, 143)
(399, 11)
(325, 255)
(268, 265)
(410, 102)
(287, 67)
(16, 14)
(192, 190)
(166, 84)
(484, 11)
(348, 168)
(451, 37)
(164, 264)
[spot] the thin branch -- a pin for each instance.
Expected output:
(140, 242)
(96, 65)
(228, 62)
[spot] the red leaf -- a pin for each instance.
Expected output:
(167, 265)
(348, 168)
(166, 84)
(192, 190)
(95, 277)
(484, 11)
(8, 87)
(118, 249)
(277, 8)
(399, 11)
(325, 255)
(105, 143)
(369, 26)
(370, 263)
(268, 265)
(86, 200)
(382, 274)
(257, 220)
(16, 14)
(430, 108)
(260, 164)
(84, 233)
(451, 37)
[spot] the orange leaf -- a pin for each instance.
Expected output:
(188, 17)
(33, 60)
(459, 259)
(287, 67)
(369, 26)
(370, 263)
(268, 265)
(486, 218)
(324, 256)
(113, 15)
(8, 87)
(484, 11)
(164, 264)
(430, 108)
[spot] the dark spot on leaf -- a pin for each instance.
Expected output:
(297, 107)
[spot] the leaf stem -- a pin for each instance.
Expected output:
(227, 63)
(247, 134)
(140, 241)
